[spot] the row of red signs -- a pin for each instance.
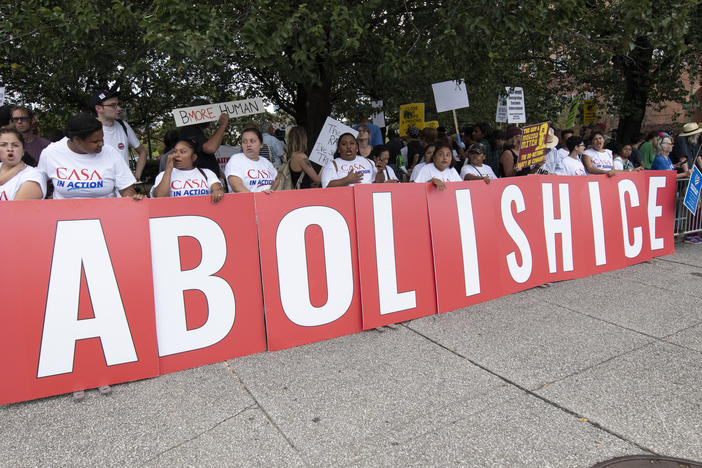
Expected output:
(98, 292)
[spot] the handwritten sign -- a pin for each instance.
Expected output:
(325, 146)
(450, 95)
(379, 117)
(692, 194)
(589, 112)
(411, 114)
(533, 147)
(211, 112)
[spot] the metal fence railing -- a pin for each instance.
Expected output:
(685, 222)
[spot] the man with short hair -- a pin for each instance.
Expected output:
(116, 132)
(23, 120)
(276, 146)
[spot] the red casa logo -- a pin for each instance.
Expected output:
(63, 173)
(188, 184)
(258, 174)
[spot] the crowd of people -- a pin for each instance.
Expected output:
(91, 160)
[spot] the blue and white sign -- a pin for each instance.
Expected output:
(692, 194)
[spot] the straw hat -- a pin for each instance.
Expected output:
(690, 129)
(552, 139)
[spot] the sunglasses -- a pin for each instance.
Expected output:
(20, 119)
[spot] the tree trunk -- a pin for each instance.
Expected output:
(636, 69)
(312, 107)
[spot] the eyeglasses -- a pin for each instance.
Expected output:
(20, 119)
(111, 105)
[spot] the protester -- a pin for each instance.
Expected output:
(182, 179)
(552, 159)
(18, 181)
(571, 165)
(598, 160)
(277, 149)
(621, 155)
(474, 169)
(79, 166)
(364, 147)
(687, 146)
(439, 171)
(383, 172)
(117, 132)
(414, 147)
(426, 159)
(497, 142)
(169, 140)
(662, 162)
(509, 157)
(23, 120)
(301, 170)
(348, 167)
(646, 150)
(6, 117)
(249, 171)
(376, 135)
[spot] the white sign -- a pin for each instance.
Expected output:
(211, 112)
(2, 95)
(501, 109)
(325, 146)
(449, 95)
(379, 117)
(516, 113)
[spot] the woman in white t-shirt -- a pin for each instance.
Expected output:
(81, 166)
(182, 179)
(474, 169)
(439, 171)
(381, 158)
(598, 160)
(17, 180)
(248, 171)
(348, 167)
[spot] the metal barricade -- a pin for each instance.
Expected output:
(685, 222)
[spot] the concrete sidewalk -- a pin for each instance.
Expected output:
(566, 375)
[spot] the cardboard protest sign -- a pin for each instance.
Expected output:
(379, 117)
(692, 194)
(411, 115)
(325, 146)
(211, 112)
(516, 112)
(450, 95)
(2, 95)
(589, 112)
(533, 147)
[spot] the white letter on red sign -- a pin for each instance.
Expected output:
(390, 300)
(512, 194)
(654, 211)
(80, 245)
(630, 250)
(597, 224)
(553, 226)
(292, 265)
(170, 282)
(469, 247)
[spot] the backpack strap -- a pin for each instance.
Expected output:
(124, 127)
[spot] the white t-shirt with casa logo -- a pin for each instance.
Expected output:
(430, 171)
(188, 183)
(601, 160)
(256, 176)
(9, 189)
(339, 168)
(91, 175)
(120, 140)
(572, 167)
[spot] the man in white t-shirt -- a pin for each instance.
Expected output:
(116, 132)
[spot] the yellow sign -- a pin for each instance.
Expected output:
(533, 149)
(432, 124)
(411, 114)
(589, 112)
